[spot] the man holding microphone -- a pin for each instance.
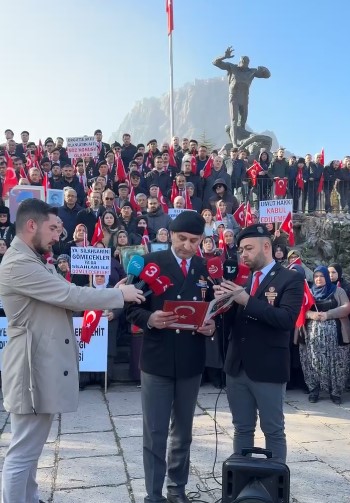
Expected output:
(40, 374)
(257, 360)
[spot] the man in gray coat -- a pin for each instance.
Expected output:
(40, 362)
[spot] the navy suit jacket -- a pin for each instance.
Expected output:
(168, 352)
(260, 334)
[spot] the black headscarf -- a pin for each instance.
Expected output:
(339, 270)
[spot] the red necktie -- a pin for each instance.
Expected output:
(256, 283)
(82, 181)
(184, 267)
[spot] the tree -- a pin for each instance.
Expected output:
(204, 140)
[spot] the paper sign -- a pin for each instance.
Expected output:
(275, 210)
(81, 146)
(90, 260)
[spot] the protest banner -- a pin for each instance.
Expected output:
(174, 212)
(92, 356)
(275, 210)
(90, 260)
(81, 146)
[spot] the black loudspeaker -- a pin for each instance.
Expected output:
(247, 479)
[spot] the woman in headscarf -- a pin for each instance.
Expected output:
(208, 247)
(231, 247)
(280, 252)
(7, 230)
(122, 240)
(79, 239)
(336, 274)
(324, 356)
(3, 248)
(110, 227)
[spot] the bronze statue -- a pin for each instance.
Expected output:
(240, 78)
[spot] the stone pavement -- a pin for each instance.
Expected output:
(96, 453)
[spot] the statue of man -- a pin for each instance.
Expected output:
(239, 77)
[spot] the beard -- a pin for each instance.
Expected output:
(38, 245)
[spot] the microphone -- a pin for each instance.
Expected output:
(135, 267)
(215, 270)
(150, 272)
(159, 286)
(236, 272)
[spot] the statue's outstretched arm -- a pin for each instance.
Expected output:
(220, 63)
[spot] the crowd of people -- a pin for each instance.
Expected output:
(129, 189)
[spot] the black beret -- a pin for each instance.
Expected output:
(253, 231)
(188, 221)
(125, 204)
(116, 144)
(151, 141)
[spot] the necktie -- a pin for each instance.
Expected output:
(184, 267)
(256, 282)
(82, 181)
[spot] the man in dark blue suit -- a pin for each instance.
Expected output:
(172, 362)
(257, 361)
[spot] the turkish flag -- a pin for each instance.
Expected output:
(39, 151)
(22, 173)
(162, 201)
(248, 216)
(308, 302)
(145, 238)
(281, 187)
(300, 179)
(222, 244)
(170, 13)
(98, 233)
(320, 184)
(239, 215)
(149, 160)
(188, 201)
(120, 172)
(296, 261)
(135, 206)
(218, 216)
(194, 165)
(172, 160)
(322, 157)
(253, 172)
(208, 167)
(29, 162)
(174, 192)
(46, 184)
(90, 323)
(287, 227)
(10, 181)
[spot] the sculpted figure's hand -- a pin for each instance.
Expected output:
(229, 52)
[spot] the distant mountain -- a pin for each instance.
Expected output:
(201, 109)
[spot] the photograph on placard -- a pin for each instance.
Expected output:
(55, 197)
(21, 193)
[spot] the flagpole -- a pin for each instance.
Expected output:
(171, 93)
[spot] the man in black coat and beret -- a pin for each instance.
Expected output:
(172, 362)
(257, 361)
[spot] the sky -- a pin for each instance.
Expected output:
(73, 66)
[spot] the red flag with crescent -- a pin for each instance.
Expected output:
(194, 165)
(322, 157)
(98, 233)
(248, 215)
(208, 167)
(253, 172)
(46, 183)
(300, 179)
(188, 201)
(134, 204)
(172, 160)
(145, 237)
(287, 227)
(91, 320)
(308, 302)
(281, 187)
(320, 184)
(174, 192)
(218, 216)
(121, 173)
(170, 14)
(239, 215)
(162, 201)
(222, 244)
(10, 181)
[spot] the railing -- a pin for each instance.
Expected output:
(333, 198)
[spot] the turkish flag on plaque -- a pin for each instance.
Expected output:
(281, 187)
(192, 314)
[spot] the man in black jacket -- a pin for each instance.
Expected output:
(172, 361)
(257, 361)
